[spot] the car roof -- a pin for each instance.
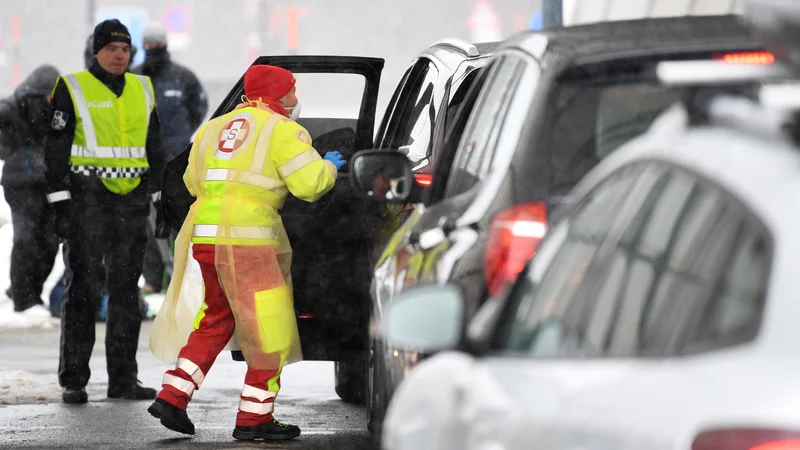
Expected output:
(616, 39)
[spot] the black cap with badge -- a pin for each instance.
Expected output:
(109, 31)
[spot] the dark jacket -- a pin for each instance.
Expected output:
(181, 100)
(24, 124)
(59, 140)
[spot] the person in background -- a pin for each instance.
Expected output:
(24, 124)
(103, 163)
(182, 106)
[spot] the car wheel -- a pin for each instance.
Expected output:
(351, 380)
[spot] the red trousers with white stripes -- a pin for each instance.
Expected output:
(206, 342)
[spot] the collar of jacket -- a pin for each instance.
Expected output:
(116, 83)
(266, 105)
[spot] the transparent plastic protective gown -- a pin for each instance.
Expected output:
(242, 166)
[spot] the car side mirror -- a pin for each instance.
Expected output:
(426, 318)
(384, 175)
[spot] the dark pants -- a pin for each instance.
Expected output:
(153, 270)
(111, 229)
(35, 245)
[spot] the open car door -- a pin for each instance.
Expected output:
(332, 239)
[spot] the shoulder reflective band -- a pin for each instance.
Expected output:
(298, 162)
(83, 110)
(192, 370)
(256, 393)
(179, 384)
(261, 152)
(236, 232)
(148, 96)
(58, 196)
(256, 408)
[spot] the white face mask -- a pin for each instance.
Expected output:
(294, 111)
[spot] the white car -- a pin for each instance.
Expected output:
(661, 312)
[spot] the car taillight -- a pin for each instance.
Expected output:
(513, 237)
(747, 439)
(424, 179)
(765, 58)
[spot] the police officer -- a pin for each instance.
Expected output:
(103, 155)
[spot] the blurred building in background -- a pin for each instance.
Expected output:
(218, 39)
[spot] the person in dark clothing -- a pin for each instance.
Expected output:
(102, 173)
(23, 127)
(182, 107)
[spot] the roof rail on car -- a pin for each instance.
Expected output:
(465, 47)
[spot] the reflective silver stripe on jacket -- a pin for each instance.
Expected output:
(243, 176)
(108, 152)
(236, 232)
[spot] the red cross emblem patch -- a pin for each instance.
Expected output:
(232, 137)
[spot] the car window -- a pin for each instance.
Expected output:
(382, 136)
(454, 130)
(733, 314)
(411, 122)
(637, 309)
(590, 121)
(478, 143)
(545, 318)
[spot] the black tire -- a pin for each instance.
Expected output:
(351, 380)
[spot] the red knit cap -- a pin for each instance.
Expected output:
(267, 82)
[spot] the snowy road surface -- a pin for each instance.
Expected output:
(32, 415)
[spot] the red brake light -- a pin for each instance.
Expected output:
(513, 237)
(747, 439)
(765, 58)
(425, 179)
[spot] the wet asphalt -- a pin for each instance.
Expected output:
(32, 415)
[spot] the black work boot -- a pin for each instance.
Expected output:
(270, 431)
(74, 395)
(171, 416)
(134, 391)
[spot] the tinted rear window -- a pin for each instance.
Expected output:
(592, 121)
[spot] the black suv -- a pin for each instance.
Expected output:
(548, 108)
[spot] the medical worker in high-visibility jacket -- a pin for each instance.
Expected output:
(242, 165)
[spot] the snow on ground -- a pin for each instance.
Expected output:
(18, 387)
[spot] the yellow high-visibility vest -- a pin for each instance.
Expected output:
(110, 131)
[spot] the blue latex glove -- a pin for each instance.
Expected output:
(335, 158)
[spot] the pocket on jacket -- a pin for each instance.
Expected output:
(277, 324)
